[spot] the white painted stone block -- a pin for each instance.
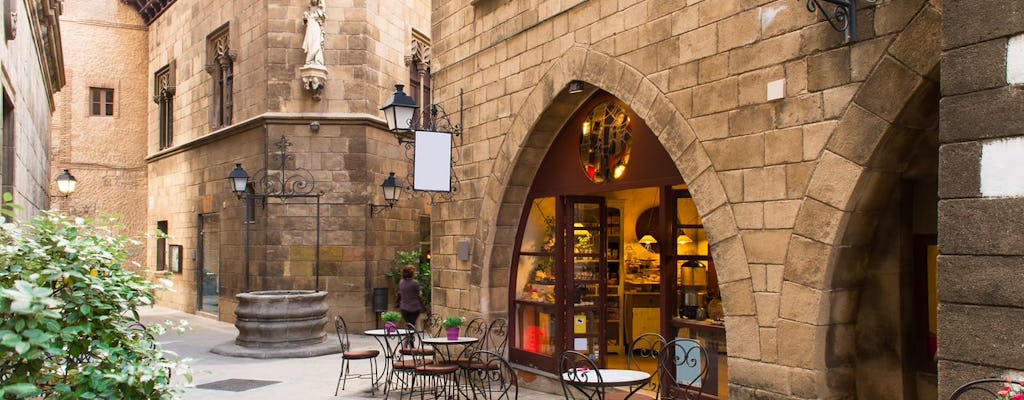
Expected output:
(1015, 60)
(1002, 168)
(776, 89)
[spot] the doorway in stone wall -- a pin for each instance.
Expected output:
(208, 265)
(610, 247)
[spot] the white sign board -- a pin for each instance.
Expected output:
(1001, 163)
(432, 164)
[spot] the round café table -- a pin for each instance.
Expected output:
(384, 338)
(608, 378)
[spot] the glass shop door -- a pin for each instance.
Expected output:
(584, 233)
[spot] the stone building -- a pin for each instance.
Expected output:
(99, 129)
(201, 87)
(793, 174)
(31, 72)
(980, 229)
(338, 138)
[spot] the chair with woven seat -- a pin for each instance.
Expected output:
(689, 360)
(491, 377)
(348, 355)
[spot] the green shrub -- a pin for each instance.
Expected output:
(403, 258)
(69, 321)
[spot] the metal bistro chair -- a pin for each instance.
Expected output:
(497, 336)
(403, 365)
(493, 378)
(442, 377)
(987, 389)
(576, 384)
(683, 354)
(348, 355)
(646, 349)
(432, 326)
(476, 328)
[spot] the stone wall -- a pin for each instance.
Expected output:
(179, 35)
(30, 74)
(790, 189)
(980, 226)
(107, 46)
(348, 156)
(365, 51)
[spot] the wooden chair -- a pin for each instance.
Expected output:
(685, 354)
(348, 355)
(987, 388)
(492, 378)
(646, 349)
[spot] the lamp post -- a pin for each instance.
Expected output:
(391, 189)
(299, 184)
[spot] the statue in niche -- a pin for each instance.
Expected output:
(314, 74)
(313, 43)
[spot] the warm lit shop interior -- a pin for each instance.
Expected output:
(611, 246)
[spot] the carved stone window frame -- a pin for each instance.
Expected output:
(418, 61)
(163, 95)
(220, 57)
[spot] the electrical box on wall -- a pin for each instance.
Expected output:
(463, 250)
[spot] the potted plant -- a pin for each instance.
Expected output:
(391, 319)
(451, 326)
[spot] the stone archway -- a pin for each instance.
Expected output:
(858, 168)
(534, 128)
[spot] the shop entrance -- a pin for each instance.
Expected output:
(609, 249)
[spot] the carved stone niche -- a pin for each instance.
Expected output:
(314, 77)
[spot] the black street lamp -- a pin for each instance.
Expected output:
(391, 189)
(400, 111)
(239, 180)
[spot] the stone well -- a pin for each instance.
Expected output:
(280, 324)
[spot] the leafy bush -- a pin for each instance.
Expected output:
(403, 258)
(69, 321)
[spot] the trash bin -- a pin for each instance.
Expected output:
(380, 299)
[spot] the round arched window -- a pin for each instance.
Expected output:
(605, 142)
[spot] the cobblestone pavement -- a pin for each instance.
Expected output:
(296, 378)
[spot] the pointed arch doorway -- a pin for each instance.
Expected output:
(610, 246)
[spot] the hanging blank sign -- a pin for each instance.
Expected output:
(432, 163)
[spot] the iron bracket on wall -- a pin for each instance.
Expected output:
(840, 14)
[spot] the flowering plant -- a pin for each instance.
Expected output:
(1011, 390)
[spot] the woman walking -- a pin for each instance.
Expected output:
(410, 295)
